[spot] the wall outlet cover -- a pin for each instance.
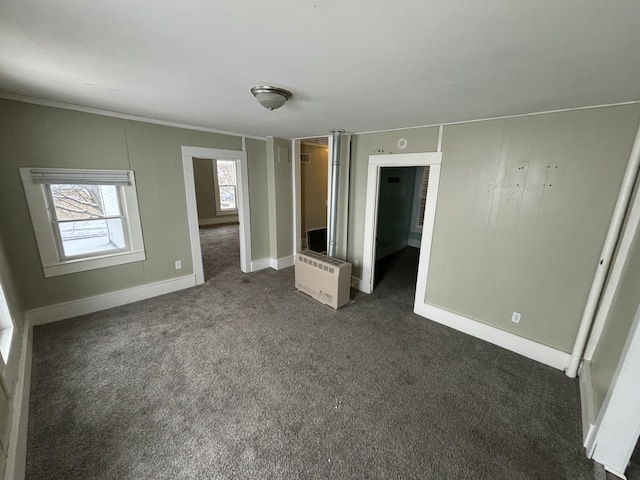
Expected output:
(515, 317)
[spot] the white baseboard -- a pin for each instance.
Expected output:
(60, 311)
(17, 450)
(413, 242)
(389, 249)
(217, 220)
(357, 284)
(523, 346)
(280, 263)
(260, 264)
(587, 405)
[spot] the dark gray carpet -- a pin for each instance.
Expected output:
(242, 378)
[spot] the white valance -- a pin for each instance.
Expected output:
(64, 176)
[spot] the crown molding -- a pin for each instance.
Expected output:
(124, 116)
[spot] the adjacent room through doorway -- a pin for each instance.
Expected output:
(314, 187)
(401, 205)
(217, 204)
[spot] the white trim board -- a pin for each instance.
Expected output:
(523, 346)
(376, 162)
(124, 116)
(587, 406)
(485, 119)
(260, 264)
(17, 450)
(61, 311)
(284, 262)
(244, 214)
(617, 427)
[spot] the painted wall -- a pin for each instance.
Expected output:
(395, 207)
(259, 188)
(37, 136)
(512, 231)
(313, 191)
(618, 325)
(362, 146)
(523, 209)
(279, 176)
(206, 195)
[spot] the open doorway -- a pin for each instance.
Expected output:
(401, 203)
(385, 171)
(312, 162)
(219, 178)
(216, 184)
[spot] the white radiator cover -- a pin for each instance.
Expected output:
(326, 279)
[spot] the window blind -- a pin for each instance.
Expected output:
(81, 177)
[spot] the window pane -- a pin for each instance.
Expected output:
(228, 198)
(84, 201)
(423, 195)
(226, 172)
(85, 237)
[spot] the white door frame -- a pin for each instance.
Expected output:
(188, 154)
(376, 162)
(618, 425)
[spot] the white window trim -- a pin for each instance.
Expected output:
(216, 188)
(52, 263)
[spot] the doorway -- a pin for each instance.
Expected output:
(398, 224)
(311, 186)
(217, 204)
(229, 160)
(375, 173)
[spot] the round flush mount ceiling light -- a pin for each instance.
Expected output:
(271, 97)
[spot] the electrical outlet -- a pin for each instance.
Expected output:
(515, 317)
(178, 264)
(355, 262)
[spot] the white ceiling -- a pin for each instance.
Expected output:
(359, 65)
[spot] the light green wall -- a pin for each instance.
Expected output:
(523, 208)
(618, 325)
(395, 206)
(280, 197)
(313, 189)
(511, 234)
(418, 140)
(259, 197)
(37, 136)
(205, 191)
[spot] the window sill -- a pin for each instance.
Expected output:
(226, 212)
(84, 264)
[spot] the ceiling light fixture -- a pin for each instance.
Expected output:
(271, 97)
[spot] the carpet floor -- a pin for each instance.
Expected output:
(243, 378)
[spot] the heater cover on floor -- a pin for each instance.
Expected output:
(326, 279)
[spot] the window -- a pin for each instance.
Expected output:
(6, 330)
(226, 187)
(83, 219)
(420, 199)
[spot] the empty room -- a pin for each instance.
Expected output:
(319, 239)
